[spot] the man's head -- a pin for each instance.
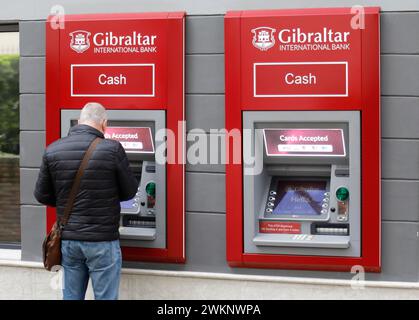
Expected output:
(94, 114)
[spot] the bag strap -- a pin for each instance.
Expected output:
(76, 183)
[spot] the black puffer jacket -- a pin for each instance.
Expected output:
(107, 180)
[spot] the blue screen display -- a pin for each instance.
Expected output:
(299, 198)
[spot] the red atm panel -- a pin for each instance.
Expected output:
(316, 62)
(129, 61)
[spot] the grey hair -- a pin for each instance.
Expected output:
(93, 112)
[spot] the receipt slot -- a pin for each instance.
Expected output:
(303, 88)
(133, 65)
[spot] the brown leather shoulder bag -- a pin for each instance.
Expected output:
(51, 247)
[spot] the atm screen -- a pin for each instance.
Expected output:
(127, 204)
(299, 197)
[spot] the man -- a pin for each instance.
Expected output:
(90, 239)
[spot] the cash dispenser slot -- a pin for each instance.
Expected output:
(302, 241)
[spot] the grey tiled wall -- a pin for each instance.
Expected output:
(205, 184)
(32, 135)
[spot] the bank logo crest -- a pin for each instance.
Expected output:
(80, 41)
(263, 38)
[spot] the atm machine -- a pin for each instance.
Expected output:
(303, 91)
(304, 185)
(141, 57)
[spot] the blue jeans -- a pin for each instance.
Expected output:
(101, 261)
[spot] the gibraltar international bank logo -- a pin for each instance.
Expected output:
(80, 41)
(263, 38)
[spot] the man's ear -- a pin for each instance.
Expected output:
(105, 125)
(78, 121)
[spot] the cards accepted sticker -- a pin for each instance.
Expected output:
(304, 142)
(134, 140)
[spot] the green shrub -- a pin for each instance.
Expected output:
(9, 104)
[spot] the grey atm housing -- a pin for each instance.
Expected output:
(146, 238)
(258, 170)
